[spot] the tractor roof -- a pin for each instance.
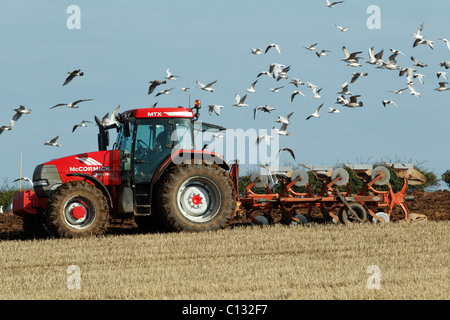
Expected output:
(179, 112)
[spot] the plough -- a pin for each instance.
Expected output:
(336, 200)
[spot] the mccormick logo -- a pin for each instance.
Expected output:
(92, 165)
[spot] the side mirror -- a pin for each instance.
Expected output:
(127, 128)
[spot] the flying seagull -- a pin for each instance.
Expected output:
(52, 142)
(375, 58)
(282, 131)
(256, 50)
(332, 4)
(73, 74)
(240, 102)
(7, 128)
(446, 41)
(385, 102)
(214, 108)
(333, 110)
(288, 150)
(445, 64)
(311, 47)
(417, 63)
(252, 87)
(316, 93)
(342, 29)
(276, 89)
(400, 91)
(295, 93)
(264, 137)
(413, 92)
(82, 124)
(170, 76)
(344, 89)
(356, 75)
(442, 87)
(154, 84)
(165, 91)
(296, 82)
(323, 52)
(111, 120)
(25, 179)
(315, 114)
(273, 45)
(72, 105)
(285, 120)
(441, 74)
(353, 103)
(350, 57)
(207, 87)
(265, 108)
(20, 111)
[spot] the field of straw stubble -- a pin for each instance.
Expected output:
(404, 261)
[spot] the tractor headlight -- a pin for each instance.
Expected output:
(40, 183)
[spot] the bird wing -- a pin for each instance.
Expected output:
(68, 79)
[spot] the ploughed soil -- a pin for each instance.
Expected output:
(434, 206)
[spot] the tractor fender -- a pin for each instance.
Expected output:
(97, 183)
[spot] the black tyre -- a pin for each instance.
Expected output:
(195, 197)
(76, 209)
(347, 217)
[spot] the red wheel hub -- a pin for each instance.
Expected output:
(196, 199)
(78, 212)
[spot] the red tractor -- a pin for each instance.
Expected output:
(153, 173)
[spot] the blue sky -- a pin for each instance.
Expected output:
(123, 45)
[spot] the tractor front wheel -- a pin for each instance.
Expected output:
(195, 197)
(76, 209)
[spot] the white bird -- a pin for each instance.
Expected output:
(165, 91)
(22, 110)
(267, 73)
(256, 51)
(344, 89)
(442, 87)
(206, 87)
(265, 108)
(423, 41)
(419, 76)
(445, 64)
(252, 87)
(315, 114)
(418, 34)
(275, 69)
(185, 89)
(311, 47)
(295, 93)
(442, 74)
(264, 137)
(417, 63)
(240, 102)
(285, 120)
(73, 74)
(53, 142)
(273, 45)
(111, 120)
(400, 91)
(413, 92)
(276, 89)
(154, 84)
(446, 41)
(385, 102)
(82, 124)
(333, 110)
(7, 128)
(296, 82)
(170, 76)
(356, 75)
(323, 52)
(316, 93)
(408, 72)
(288, 150)
(350, 57)
(25, 179)
(375, 58)
(353, 103)
(342, 100)
(72, 105)
(214, 108)
(282, 131)
(332, 4)
(311, 85)
(396, 52)
(342, 29)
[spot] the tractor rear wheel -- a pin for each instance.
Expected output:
(195, 197)
(76, 209)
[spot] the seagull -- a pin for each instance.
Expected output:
(73, 74)
(385, 102)
(265, 108)
(315, 114)
(154, 84)
(446, 41)
(52, 142)
(82, 124)
(256, 50)
(206, 87)
(311, 47)
(275, 69)
(344, 89)
(418, 35)
(419, 76)
(166, 91)
(295, 93)
(396, 52)
(214, 107)
(445, 64)
(400, 91)
(342, 100)
(333, 110)
(282, 130)
(423, 41)
(350, 57)
(316, 93)
(323, 52)
(331, 5)
(25, 179)
(375, 58)
(311, 85)
(111, 120)
(185, 89)
(252, 87)
(356, 75)
(288, 150)
(20, 111)
(276, 89)
(267, 73)
(273, 45)
(442, 74)
(413, 92)
(285, 120)
(170, 76)
(7, 128)
(72, 105)
(409, 73)
(417, 63)
(353, 103)
(442, 87)
(342, 29)
(264, 137)
(296, 82)
(240, 102)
